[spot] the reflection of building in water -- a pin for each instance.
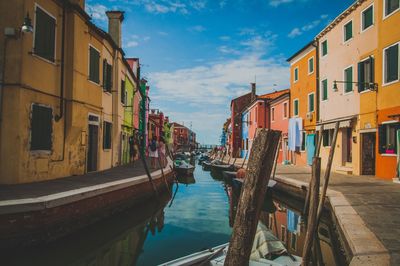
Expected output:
(288, 226)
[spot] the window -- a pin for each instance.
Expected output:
(293, 242)
(107, 135)
(123, 90)
(285, 110)
(391, 63)
(296, 74)
(283, 233)
(327, 136)
(365, 74)
(387, 138)
(311, 102)
(391, 6)
(324, 48)
(41, 128)
(348, 78)
(303, 141)
(272, 114)
(348, 31)
(107, 76)
(45, 35)
(296, 107)
(311, 65)
(324, 90)
(367, 18)
(94, 61)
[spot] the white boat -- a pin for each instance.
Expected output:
(267, 250)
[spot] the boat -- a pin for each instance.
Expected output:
(186, 179)
(220, 167)
(267, 250)
(183, 168)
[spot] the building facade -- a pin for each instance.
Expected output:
(303, 103)
(279, 117)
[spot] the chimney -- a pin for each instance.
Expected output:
(115, 19)
(253, 91)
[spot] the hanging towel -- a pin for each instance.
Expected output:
(292, 221)
(292, 134)
(299, 130)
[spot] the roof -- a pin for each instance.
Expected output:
(238, 98)
(273, 95)
(300, 51)
(280, 97)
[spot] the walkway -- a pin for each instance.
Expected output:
(377, 202)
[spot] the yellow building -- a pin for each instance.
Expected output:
(303, 100)
(60, 108)
(388, 78)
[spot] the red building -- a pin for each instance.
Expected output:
(279, 117)
(156, 124)
(184, 139)
(237, 106)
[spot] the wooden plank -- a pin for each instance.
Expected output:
(258, 172)
(312, 224)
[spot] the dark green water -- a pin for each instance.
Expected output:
(160, 231)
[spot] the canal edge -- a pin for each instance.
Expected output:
(362, 244)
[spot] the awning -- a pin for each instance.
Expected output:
(331, 125)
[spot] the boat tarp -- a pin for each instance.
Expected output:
(265, 243)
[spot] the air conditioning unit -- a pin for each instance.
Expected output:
(309, 116)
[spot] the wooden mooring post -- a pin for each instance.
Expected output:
(312, 222)
(258, 173)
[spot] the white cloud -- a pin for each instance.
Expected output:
(276, 3)
(212, 86)
(224, 38)
(294, 33)
(227, 50)
(97, 12)
(299, 31)
(197, 28)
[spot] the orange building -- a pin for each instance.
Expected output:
(303, 103)
(388, 78)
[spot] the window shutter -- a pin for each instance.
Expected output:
(392, 63)
(109, 78)
(382, 138)
(45, 25)
(372, 70)
(105, 74)
(361, 75)
(41, 128)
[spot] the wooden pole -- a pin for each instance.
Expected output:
(327, 172)
(312, 224)
(276, 156)
(316, 154)
(258, 172)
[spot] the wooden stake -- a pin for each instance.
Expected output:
(316, 154)
(252, 196)
(314, 192)
(327, 172)
(276, 156)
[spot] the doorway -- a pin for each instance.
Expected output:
(347, 144)
(368, 153)
(93, 143)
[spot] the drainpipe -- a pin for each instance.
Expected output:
(62, 74)
(316, 45)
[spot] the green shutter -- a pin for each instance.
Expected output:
(296, 107)
(361, 77)
(311, 102)
(392, 63)
(41, 128)
(94, 65)
(348, 31)
(325, 48)
(324, 89)
(45, 27)
(105, 74)
(348, 73)
(391, 5)
(311, 65)
(368, 17)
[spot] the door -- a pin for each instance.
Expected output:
(91, 163)
(310, 142)
(368, 154)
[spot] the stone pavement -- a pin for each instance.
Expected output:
(376, 201)
(40, 189)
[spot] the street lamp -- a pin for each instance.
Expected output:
(27, 26)
(371, 85)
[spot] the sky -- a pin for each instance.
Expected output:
(199, 55)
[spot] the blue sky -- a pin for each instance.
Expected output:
(198, 55)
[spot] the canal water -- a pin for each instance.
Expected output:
(196, 217)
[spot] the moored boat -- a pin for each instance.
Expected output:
(267, 250)
(183, 168)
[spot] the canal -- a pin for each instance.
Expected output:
(196, 216)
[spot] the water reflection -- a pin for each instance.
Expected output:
(199, 216)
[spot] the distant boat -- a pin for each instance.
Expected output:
(183, 168)
(267, 250)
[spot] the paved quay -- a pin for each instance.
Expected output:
(44, 188)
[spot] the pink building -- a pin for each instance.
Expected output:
(279, 116)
